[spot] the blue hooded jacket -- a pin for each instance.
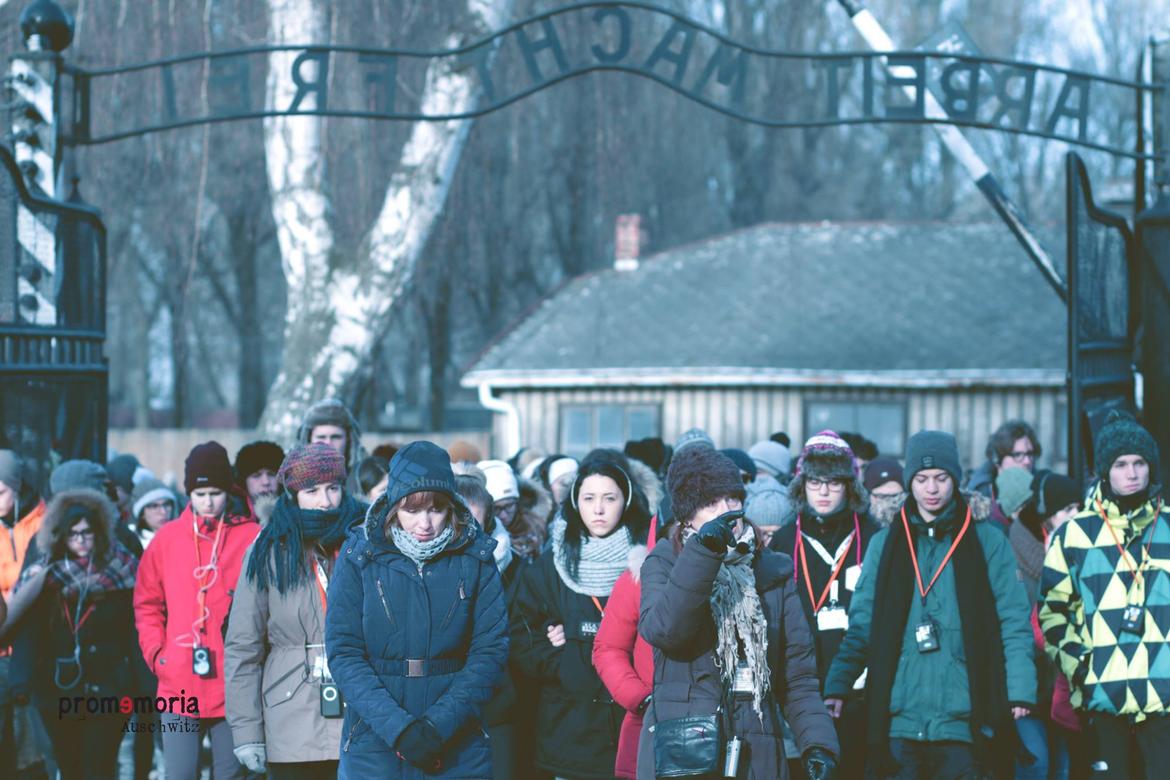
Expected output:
(406, 642)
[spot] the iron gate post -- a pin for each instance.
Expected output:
(1153, 239)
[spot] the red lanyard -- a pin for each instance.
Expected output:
(597, 604)
(1125, 556)
(201, 577)
(945, 561)
(75, 629)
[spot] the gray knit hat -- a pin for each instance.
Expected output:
(695, 436)
(1122, 435)
(932, 450)
(11, 470)
(699, 476)
(75, 474)
(767, 504)
(148, 491)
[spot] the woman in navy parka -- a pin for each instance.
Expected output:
(416, 631)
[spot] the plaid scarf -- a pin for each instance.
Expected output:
(74, 575)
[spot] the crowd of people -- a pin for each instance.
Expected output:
(659, 611)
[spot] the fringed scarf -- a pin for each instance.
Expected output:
(739, 620)
(280, 552)
(602, 561)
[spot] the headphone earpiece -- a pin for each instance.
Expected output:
(629, 489)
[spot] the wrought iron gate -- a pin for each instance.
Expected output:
(53, 373)
(1102, 316)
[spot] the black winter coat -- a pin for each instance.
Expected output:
(577, 720)
(107, 644)
(831, 537)
(676, 620)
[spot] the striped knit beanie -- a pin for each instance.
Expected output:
(311, 464)
(826, 456)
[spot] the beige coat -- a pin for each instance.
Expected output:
(270, 654)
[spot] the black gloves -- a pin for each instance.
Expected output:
(819, 764)
(719, 534)
(420, 744)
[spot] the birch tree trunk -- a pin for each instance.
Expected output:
(337, 312)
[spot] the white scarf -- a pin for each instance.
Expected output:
(503, 551)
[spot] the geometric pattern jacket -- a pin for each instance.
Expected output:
(1085, 588)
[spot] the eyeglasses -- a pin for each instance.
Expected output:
(1025, 455)
(834, 485)
(79, 535)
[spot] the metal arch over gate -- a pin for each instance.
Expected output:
(695, 60)
(945, 84)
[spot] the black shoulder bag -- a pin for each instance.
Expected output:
(692, 746)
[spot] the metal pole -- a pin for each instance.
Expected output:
(958, 145)
(1159, 50)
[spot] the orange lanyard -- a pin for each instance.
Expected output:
(322, 579)
(597, 604)
(818, 603)
(945, 561)
(202, 576)
(1125, 556)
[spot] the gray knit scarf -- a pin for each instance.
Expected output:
(421, 552)
(602, 560)
(739, 620)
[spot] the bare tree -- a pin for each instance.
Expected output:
(337, 310)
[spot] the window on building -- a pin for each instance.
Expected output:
(587, 427)
(882, 423)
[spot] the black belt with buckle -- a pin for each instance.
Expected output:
(419, 667)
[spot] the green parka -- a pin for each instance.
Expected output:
(930, 700)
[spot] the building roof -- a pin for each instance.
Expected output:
(896, 304)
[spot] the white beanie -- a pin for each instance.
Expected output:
(501, 480)
(560, 467)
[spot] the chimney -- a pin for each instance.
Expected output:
(627, 242)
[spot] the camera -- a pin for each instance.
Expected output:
(201, 662)
(330, 701)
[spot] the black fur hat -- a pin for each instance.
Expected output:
(699, 476)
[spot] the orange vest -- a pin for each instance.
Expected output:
(13, 544)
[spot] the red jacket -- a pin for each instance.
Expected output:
(166, 604)
(623, 659)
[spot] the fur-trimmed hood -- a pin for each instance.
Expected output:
(535, 504)
(100, 510)
(981, 508)
(649, 483)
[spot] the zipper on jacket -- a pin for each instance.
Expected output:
(348, 739)
(385, 606)
(451, 611)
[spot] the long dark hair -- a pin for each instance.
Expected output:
(634, 516)
(73, 514)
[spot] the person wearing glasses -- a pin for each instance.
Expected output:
(827, 542)
(1105, 605)
(939, 627)
(186, 581)
(1013, 445)
(78, 639)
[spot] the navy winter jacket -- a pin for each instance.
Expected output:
(447, 618)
